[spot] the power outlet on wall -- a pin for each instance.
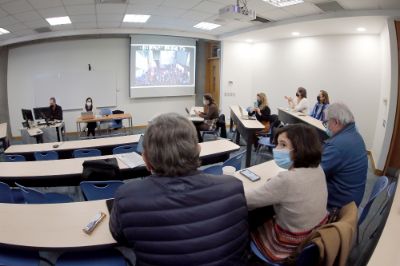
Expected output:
(230, 94)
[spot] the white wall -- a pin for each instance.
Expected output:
(387, 97)
(347, 66)
(63, 56)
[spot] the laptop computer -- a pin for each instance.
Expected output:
(190, 113)
(87, 115)
(244, 115)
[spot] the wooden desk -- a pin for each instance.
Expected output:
(245, 128)
(66, 148)
(52, 226)
(387, 250)
(68, 171)
(292, 117)
(3, 134)
(107, 118)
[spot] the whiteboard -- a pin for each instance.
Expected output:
(72, 88)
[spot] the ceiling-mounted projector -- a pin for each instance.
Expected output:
(236, 12)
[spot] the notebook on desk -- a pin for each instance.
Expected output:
(131, 159)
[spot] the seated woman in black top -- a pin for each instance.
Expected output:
(179, 215)
(262, 111)
(91, 126)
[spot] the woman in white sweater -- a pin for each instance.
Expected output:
(301, 103)
(91, 126)
(298, 196)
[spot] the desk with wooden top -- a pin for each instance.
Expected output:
(51, 226)
(65, 149)
(68, 171)
(107, 118)
(293, 117)
(245, 128)
(3, 134)
(387, 250)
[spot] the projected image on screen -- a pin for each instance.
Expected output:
(163, 65)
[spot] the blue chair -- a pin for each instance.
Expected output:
(46, 155)
(33, 196)
(92, 258)
(235, 161)
(125, 149)
(96, 190)
(18, 196)
(389, 194)
(81, 153)
(5, 193)
(15, 158)
(18, 257)
(379, 186)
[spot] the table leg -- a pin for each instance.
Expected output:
(58, 133)
(249, 146)
(237, 140)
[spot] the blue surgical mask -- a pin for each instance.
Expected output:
(282, 158)
(329, 132)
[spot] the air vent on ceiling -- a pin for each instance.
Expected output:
(330, 6)
(42, 29)
(260, 19)
(111, 1)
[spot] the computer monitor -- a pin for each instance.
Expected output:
(27, 114)
(41, 113)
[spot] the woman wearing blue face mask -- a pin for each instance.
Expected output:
(298, 196)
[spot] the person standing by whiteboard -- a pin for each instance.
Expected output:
(56, 112)
(301, 104)
(91, 126)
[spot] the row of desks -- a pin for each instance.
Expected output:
(68, 171)
(51, 226)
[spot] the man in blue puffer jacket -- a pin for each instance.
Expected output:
(179, 215)
(344, 158)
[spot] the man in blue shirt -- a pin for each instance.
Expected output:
(344, 158)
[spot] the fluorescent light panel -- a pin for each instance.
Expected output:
(206, 26)
(361, 29)
(3, 31)
(282, 3)
(134, 18)
(58, 21)
(295, 33)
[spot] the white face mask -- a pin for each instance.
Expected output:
(205, 102)
(89, 103)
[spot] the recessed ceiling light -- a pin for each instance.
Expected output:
(295, 33)
(3, 31)
(282, 3)
(134, 18)
(58, 21)
(361, 29)
(206, 26)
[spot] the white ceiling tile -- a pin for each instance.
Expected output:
(111, 8)
(195, 15)
(62, 27)
(140, 9)
(38, 4)
(359, 4)
(37, 24)
(224, 2)
(103, 25)
(276, 14)
(389, 4)
(317, 1)
(5, 1)
(28, 16)
(83, 18)
(80, 9)
(24, 32)
(168, 12)
(109, 17)
(9, 20)
(187, 4)
(85, 25)
(53, 12)
(78, 2)
(209, 7)
(3, 13)
(146, 2)
(16, 27)
(303, 9)
(260, 6)
(16, 6)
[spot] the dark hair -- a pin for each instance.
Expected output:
(302, 92)
(325, 94)
(209, 98)
(53, 99)
(86, 107)
(306, 145)
(171, 146)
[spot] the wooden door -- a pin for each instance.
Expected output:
(213, 76)
(393, 159)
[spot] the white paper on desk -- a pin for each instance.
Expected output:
(131, 159)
